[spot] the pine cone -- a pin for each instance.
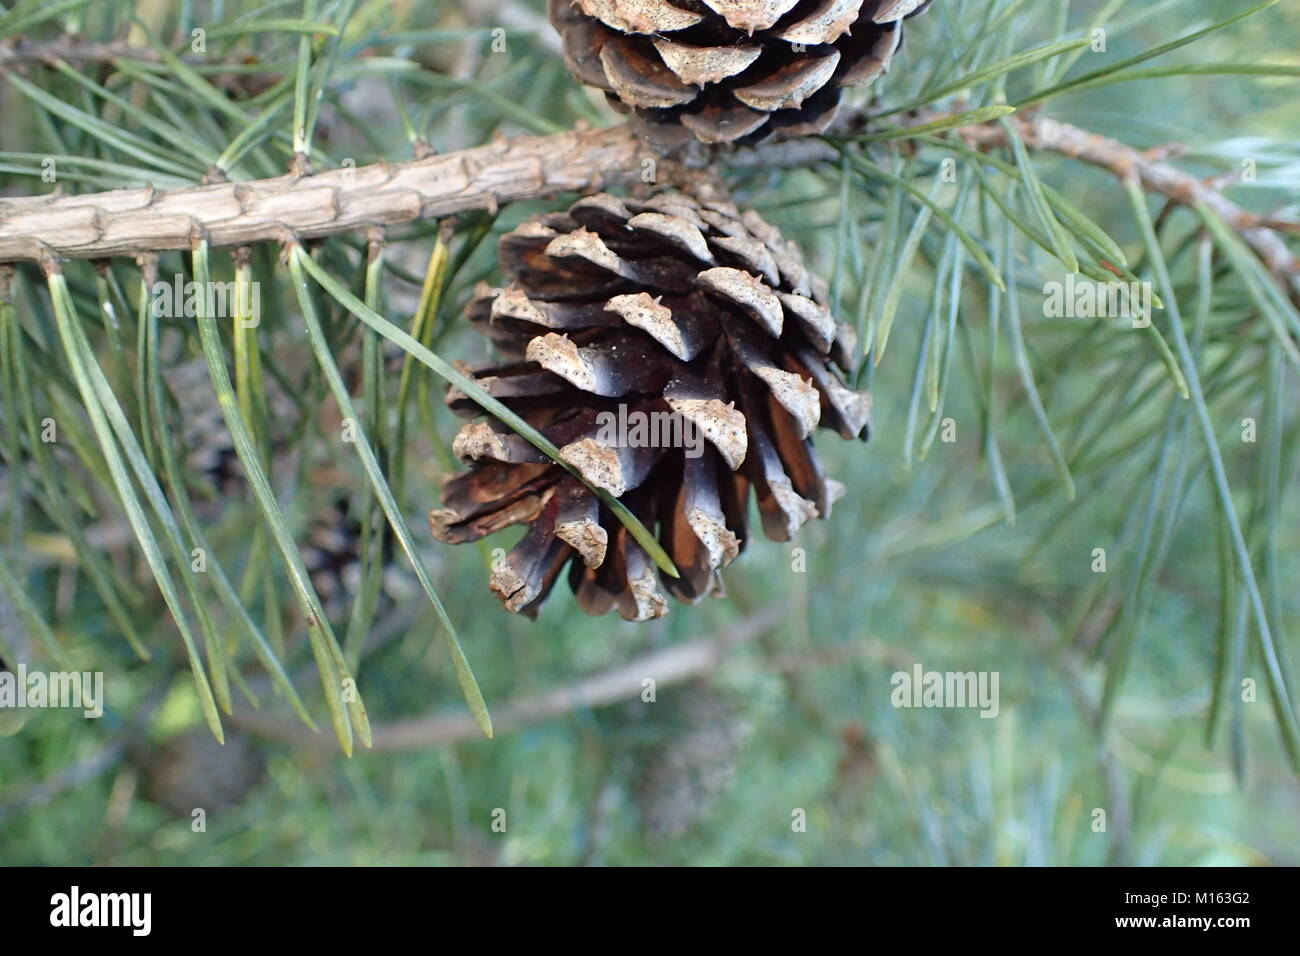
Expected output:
(687, 320)
(730, 70)
(209, 449)
(332, 553)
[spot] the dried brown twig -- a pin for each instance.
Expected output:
(70, 50)
(1044, 134)
(674, 665)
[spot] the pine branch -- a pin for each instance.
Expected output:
(132, 222)
(674, 665)
(1044, 134)
(135, 222)
(22, 53)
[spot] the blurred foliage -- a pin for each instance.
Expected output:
(921, 562)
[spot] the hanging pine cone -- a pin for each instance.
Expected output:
(332, 553)
(209, 450)
(688, 320)
(730, 70)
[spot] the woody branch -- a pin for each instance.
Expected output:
(133, 222)
(1043, 134)
(682, 662)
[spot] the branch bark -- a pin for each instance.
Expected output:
(131, 222)
(674, 665)
(1045, 134)
(21, 52)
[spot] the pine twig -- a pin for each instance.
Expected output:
(22, 53)
(1044, 134)
(673, 665)
(132, 222)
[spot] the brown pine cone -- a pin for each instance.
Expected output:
(678, 353)
(332, 555)
(730, 70)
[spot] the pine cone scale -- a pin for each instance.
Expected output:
(702, 65)
(826, 24)
(639, 16)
